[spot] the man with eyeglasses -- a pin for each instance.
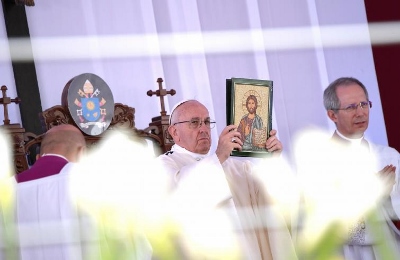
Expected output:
(348, 106)
(204, 184)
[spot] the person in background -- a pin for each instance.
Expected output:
(364, 169)
(48, 218)
(61, 144)
(347, 104)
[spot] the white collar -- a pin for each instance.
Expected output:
(53, 154)
(353, 141)
(180, 149)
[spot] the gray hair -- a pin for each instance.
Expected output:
(331, 100)
(173, 116)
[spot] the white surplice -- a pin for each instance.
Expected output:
(371, 239)
(49, 224)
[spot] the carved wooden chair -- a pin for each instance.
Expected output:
(26, 143)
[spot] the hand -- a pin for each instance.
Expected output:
(388, 177)
(225, 144)
(273, 144)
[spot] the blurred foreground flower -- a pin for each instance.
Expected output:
(8, 242)
(129, 195)
(282, 185)
(339, 187)
(119, 184)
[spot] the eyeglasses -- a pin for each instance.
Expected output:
(195, 123)
(353, 107)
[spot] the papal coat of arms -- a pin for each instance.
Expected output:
(91, 111)
(90, 103)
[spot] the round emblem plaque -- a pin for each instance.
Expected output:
(90, 102)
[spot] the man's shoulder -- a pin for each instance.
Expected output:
(381, 148)
(22, 175)
(168, 153)
(167, 156)
(43, 167)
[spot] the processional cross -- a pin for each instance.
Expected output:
(5, 101)
(161, 93)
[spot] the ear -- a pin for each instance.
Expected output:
(82, 151)
(173, 132)
(332, 115)
(78, 154)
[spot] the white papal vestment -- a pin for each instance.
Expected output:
(231, 192)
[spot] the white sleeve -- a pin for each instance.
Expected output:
(198, 182)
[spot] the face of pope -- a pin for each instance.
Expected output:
(196, 140)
